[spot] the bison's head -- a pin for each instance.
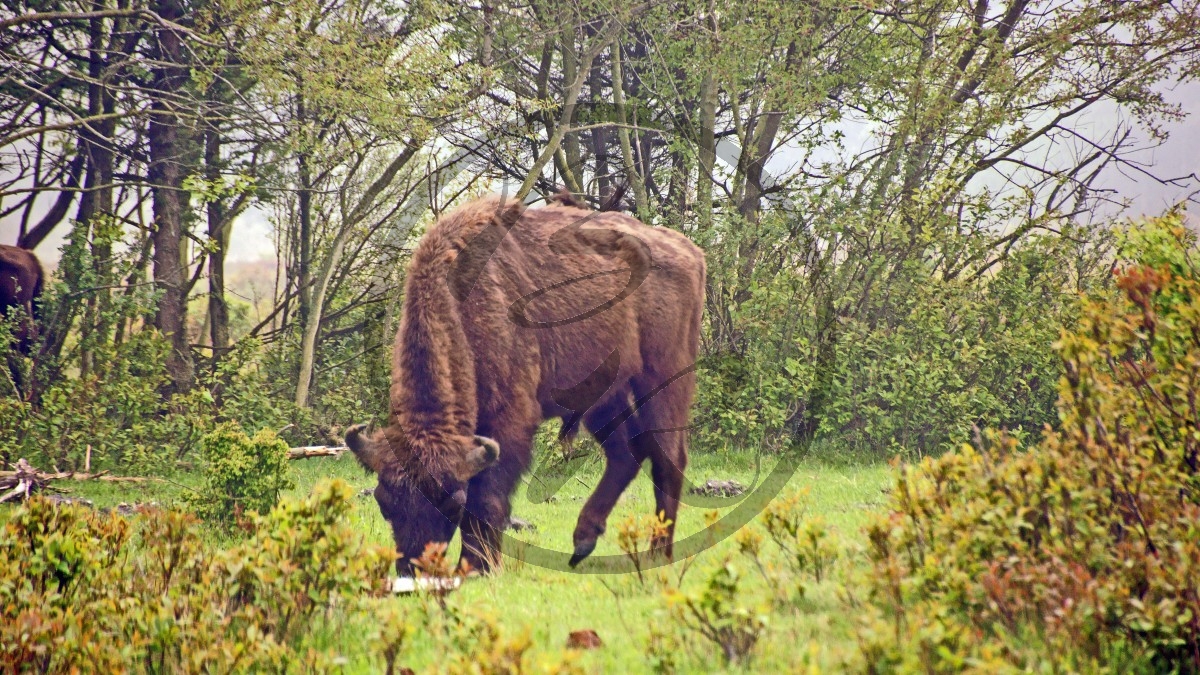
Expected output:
(422, 491)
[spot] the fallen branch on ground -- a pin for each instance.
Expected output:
(7, 476)
(316, 451)
(22, 481)
(26, 480)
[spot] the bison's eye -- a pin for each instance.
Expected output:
(388, 504)
(453, 497)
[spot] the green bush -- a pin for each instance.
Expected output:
(482, 647)
(86, 591)
(118, 413)
(916, 375)
(717, 614)
(469, 641)
(1082, 552)
(242, 390)
(905, 361)
(241, 474)
(806, 542)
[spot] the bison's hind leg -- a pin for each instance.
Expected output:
(660, 433)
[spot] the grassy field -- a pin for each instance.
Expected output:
(548, 604)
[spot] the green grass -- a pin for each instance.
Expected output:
(548, 604)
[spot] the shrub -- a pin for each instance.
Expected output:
(241, 474)
(662, 651)
(905, 359)
(86, 591)
(806, 542)
(748, 398)
(636, 536)
(482, 647)
(915, 376)
(467, 641)
(392, 632)
(1081, 552)
(716, 615)
(443, 576)
(242, 391)
(119, 414)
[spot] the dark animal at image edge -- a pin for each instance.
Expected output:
(21, 279)
(513, 316)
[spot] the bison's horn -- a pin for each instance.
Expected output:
(364, 449)
(484, 452)
(491, 448)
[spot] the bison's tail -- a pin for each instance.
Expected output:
(613, 203)
(564, 197)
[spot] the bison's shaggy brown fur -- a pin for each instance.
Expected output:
(21, 279)
(515, 316)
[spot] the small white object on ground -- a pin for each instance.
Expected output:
(412, 584)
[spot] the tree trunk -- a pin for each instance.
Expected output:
(96, 204)
(308, 343)
(759, 152)
(631, 170)
(569, 164)
(643, 141)
(706, 152)
(599, 135)
(166, 178)
(218, 232)
(304, 246)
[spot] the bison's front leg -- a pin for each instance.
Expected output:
(488, 507)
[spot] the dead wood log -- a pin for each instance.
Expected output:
(316, 451)
(7, 477)
(26, 480)
(21, 483)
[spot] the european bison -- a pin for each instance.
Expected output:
(512, 317)
(20, 286)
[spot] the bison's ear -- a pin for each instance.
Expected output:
(370, 453)
(483, 453)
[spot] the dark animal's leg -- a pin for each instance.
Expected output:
(623, 463)
(22, 340)
(660, 433)
(13, 360)
(488, 497)
(666, 470)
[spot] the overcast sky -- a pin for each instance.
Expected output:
(1179, 156)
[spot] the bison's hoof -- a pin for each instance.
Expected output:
(582, 550)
